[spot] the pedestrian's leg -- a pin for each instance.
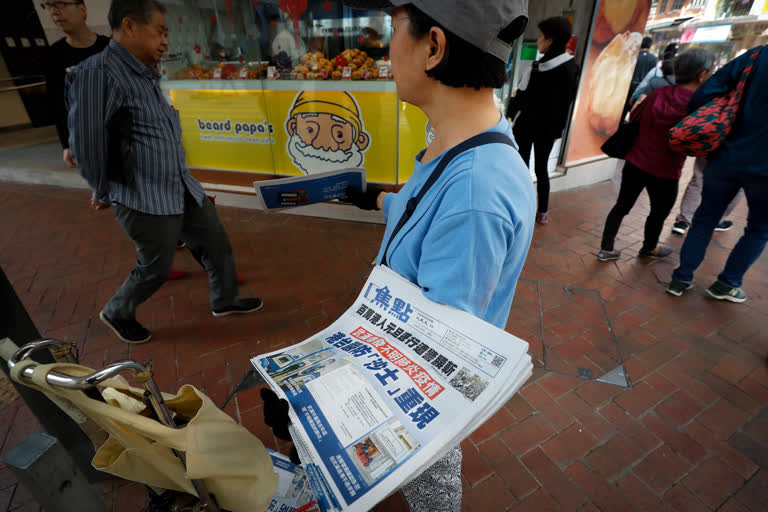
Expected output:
(733, 204)
(663, 194)
(718, 190)
(155, 239)
(209, 243)
(632, 184)
(524, 145)
(692, 195)
(752, 243)
(541, 149)
(438, 487)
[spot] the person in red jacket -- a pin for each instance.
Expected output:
(650, 164)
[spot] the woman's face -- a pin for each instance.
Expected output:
(408, 56)
(543, 43)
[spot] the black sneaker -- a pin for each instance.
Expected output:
(721, 291)
(724, 226)
(239, 307)
(677, 288)
(130, 331)
(180, 244)
(658, 252)
(680, 227)
(608, 255)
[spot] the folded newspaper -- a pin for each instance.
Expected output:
(294, 493)
(389, 388)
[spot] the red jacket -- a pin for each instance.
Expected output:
(662, 110)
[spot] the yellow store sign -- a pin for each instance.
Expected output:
(292, 133)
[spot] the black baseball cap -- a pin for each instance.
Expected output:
(490, 25)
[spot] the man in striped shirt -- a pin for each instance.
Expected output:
(126, 141)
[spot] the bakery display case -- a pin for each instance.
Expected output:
(275, 88)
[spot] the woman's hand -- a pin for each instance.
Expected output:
(371, 199)
(276, 417)
(380, 200)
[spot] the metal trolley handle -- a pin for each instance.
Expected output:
(67, 381)
(63, 351)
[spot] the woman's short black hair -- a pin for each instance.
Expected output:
(463, 65)
(558, 29)
(668, 67)
(691, 63)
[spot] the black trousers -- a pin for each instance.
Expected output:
(662, 193)
(542, 147)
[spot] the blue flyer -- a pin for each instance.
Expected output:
(309, 189)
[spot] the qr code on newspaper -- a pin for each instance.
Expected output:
(497, 361)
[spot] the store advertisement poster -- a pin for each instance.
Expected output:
(610, 64)
(306, 190)
(290, 133)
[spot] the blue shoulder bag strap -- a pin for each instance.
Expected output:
(473, 142)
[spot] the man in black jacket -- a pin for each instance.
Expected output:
(646, 61)
(79, 43)
(543, 100)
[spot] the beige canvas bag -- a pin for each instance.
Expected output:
(231, 462)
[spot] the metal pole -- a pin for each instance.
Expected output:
(16, 324)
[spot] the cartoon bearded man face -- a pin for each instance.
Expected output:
(326, 132)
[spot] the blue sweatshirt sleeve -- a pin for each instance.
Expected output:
(722, 82)
(387, 204)
(462, 257)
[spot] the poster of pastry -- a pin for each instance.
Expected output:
(608, 72)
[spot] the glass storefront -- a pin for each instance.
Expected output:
(726, 40)
(288, 87)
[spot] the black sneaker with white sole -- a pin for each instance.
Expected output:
(724, 226)
(680, 227)
(130, 331)
(721, 291)
(241, 306)
(608, 255)
(677, 288)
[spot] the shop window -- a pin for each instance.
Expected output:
(654, 7)
(677, 4)
(296, 39)
(698, 3)
(730, 8)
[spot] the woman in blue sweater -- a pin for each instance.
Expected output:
(466, 240)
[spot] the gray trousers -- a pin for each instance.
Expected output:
(438, 488)
(692, 196)
(155, 239)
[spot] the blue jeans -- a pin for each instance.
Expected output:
(720, 187)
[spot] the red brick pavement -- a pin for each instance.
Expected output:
(690, 434)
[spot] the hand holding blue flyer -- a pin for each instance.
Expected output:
(306, 190)
(388, 388)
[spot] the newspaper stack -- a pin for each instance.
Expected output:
(389, 388)
(294, 493)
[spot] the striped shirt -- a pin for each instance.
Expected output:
(96, 89)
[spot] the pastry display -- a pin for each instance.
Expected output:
(224, 71)
(616, 17)
(311, 66)
(609, 82)
(314, 66)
